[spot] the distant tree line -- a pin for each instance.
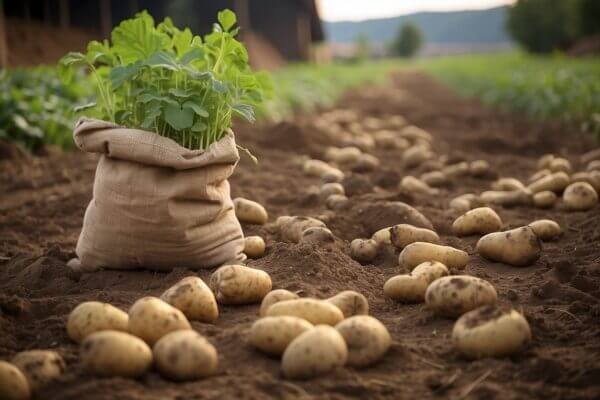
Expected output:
(542, 26)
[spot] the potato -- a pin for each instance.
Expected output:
(507, 198)
(591, 177)
(336, 201)
(322, 170)
(93, 316)
(539, 175)
(463, 203)
(327, 189)
(272, 335)
(404, 234)
(238, 284)
(194, 298)
(419, 252)
(479, 168)
(367, 339)
(416, 155)
(414, 133)
(434, 178)
(114, 353)
(185, 356)
(590, 156)
(150, 318)
(452, 296)
(350, 303)
(366, 163)
(344, 155)
(397, 121)
(545, 199)
(546, 229)
(254, 246)
(40, 367)
(545, 161)
(555, 182)
(250, 211)
(417, 186)
(480, 220)
(593, 166)
(382, 237)
(13, 384)
(315, 352)
(456, 170)
(275, 296)
(490, 331)
(411, 288)
(580, 196)
(518, 247)
(363, 250)
(507, 185)
(390, 140)
(317, 235)
(314, 311)
(291, 229)
(560, 164)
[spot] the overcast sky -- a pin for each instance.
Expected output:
(354, 10)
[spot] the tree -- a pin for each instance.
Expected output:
(542, 26)
(408, 40)
(590, 17)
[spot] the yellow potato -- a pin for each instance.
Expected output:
(590, 156)
(238, 284)
(479, 168)
(336, 201)
(545, 161)
(363, 250)
(322, 170)
(453, 296)
(185, 356)
(545, 199)
(314, 311)
(275, 296)
(414, 133)
(254, 246)
(539, 175)
(365, 163)
(382, 237)
(315, 352)
(272, 335)
(417, 186)
(490, 331)
(480, 220)
(93, 316)
(150, 318)
(194, 298)
(367, 339)
(114, 353)
(350, 303)
(40, 367)
(250, 211)
(410, 288)
(507, 198)
(13, 384)
(420, 252)
(518, 247)
(404, 234)
(317, 235)
(463, 203)
(560, 164)
(291, 229)
(434, 178)
(416, 155)
(555, 182)
(343, 155)
(580, 196)
(591, 177)
(546, 229)
(593, 166)
(456, 170)
(331, 188)
(507, 185)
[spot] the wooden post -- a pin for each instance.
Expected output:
(64, 14)
(3, 43)
(105, 18)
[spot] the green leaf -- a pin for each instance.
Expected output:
(137, 39)
(120, 74)
(199, 126)
(99, 52)
(122, 116)
(162, 59)
(227, 19)
(196, 108)
(152, 113)
(179, 118)
(246, 111)
(84, 107)
(178, 92)
(192, 55)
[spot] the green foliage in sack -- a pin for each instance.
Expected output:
(161, 78)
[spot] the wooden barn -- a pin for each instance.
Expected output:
(40, 31)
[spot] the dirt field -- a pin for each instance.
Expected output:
(41, 210)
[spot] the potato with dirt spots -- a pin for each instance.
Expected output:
(40, 367)
(272, 335)
(555, 182)
(194, 298)
(507, 198)
(315, 352)
(382, 237)
(420, 252)
(250, 211)
(327, 189)
(416, 155)
(114, 353)
(336, 201)
(480, 220)
(546, 229)
(314, 311)
(254, 246)
(317, 235)
(591, 177)
(350, 303)
(150, 318)
(490, 331)
(238, 284)
(367, 339)
(507, 184)
(13, 384)
(545, 161)
(518, 247)
(479, 168)
(322, 170)
(185, 356)
(464, 202)
(275, 296)
(560, 164)
(452, 296)
(291, 229)
(402, 235)
(539, 175)
(363, 250)
(411, 288)
(417, 186)
(580, 196)
(94, 316)
(545, 199)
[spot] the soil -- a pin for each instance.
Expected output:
(43, 200)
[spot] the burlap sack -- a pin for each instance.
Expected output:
(157, 204)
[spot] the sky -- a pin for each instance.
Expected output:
(355, 10)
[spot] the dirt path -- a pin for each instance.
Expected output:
(42, 206)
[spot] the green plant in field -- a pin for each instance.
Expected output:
(408, 40)
(161, 78)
